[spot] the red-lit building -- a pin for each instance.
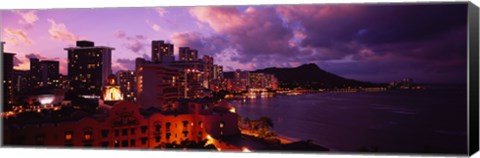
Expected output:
(124, 126)
(158, 85)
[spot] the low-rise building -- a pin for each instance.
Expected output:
(125, 126)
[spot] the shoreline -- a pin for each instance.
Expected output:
(284, 139)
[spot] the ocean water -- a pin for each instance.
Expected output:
(428, 121)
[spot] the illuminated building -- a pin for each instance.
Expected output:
(158, 85)
(241, 80)
(162, 52)
(125, 126)
(7, 79)
(192, 78)
(63, 82)
(47, 98)
(111, 91)
(128, 85)
(187, 54)
(218, 72)
(208, 70)
(50, 73)
(21, 81)
(88, 68)
(139, 61)
(263, 81)
(44, 73)
(36, 73)
(272, 82)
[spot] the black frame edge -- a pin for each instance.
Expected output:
(473, 34)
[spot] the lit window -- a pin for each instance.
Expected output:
(88, 135)
(222, 124)
(68, 136)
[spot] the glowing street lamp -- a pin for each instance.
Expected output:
(245, 149)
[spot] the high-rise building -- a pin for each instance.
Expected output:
(207, 70)
(139, 61)
(162, 52)
(21, 81)
(187, 54)
(193, 75)
(7, 79)
(128, 85)
(50, 73)
(88, 68)
(241, 80)
(158, 85)
(263, 81)
(217, 72)
(63, 82)
(257, 80)
(271, 82)
(44, 73)
(36, 73)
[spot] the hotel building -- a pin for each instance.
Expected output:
(162, 52)
(44, 73)
(88, 68)
(217, 72)
(128, 85)
(50, 73)
(7, 79)
(126, 126)
(158, 85)
(241, 80)
(208, 70)
(263, 81)
(187, 54)
(36, 73)
(21, 79)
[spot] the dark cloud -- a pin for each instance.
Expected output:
(33, 55)
(119, 34)
(254, 32)
(370, 42)
(146, 57)
(16, 61)
(373, 24)
(124, 64)
(137, 44)
(206, 45)
(385, 42)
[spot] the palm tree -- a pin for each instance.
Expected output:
(265, 124)
(247, 121)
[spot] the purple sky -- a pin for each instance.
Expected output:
(378, 43)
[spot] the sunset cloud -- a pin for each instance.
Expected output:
(161, 11)
(155, 27)
(28, 18)
(119, 34)
(17, 36)
(59, 31)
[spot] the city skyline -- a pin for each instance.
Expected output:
(360, 44)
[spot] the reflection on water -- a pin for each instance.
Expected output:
(433, 120)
